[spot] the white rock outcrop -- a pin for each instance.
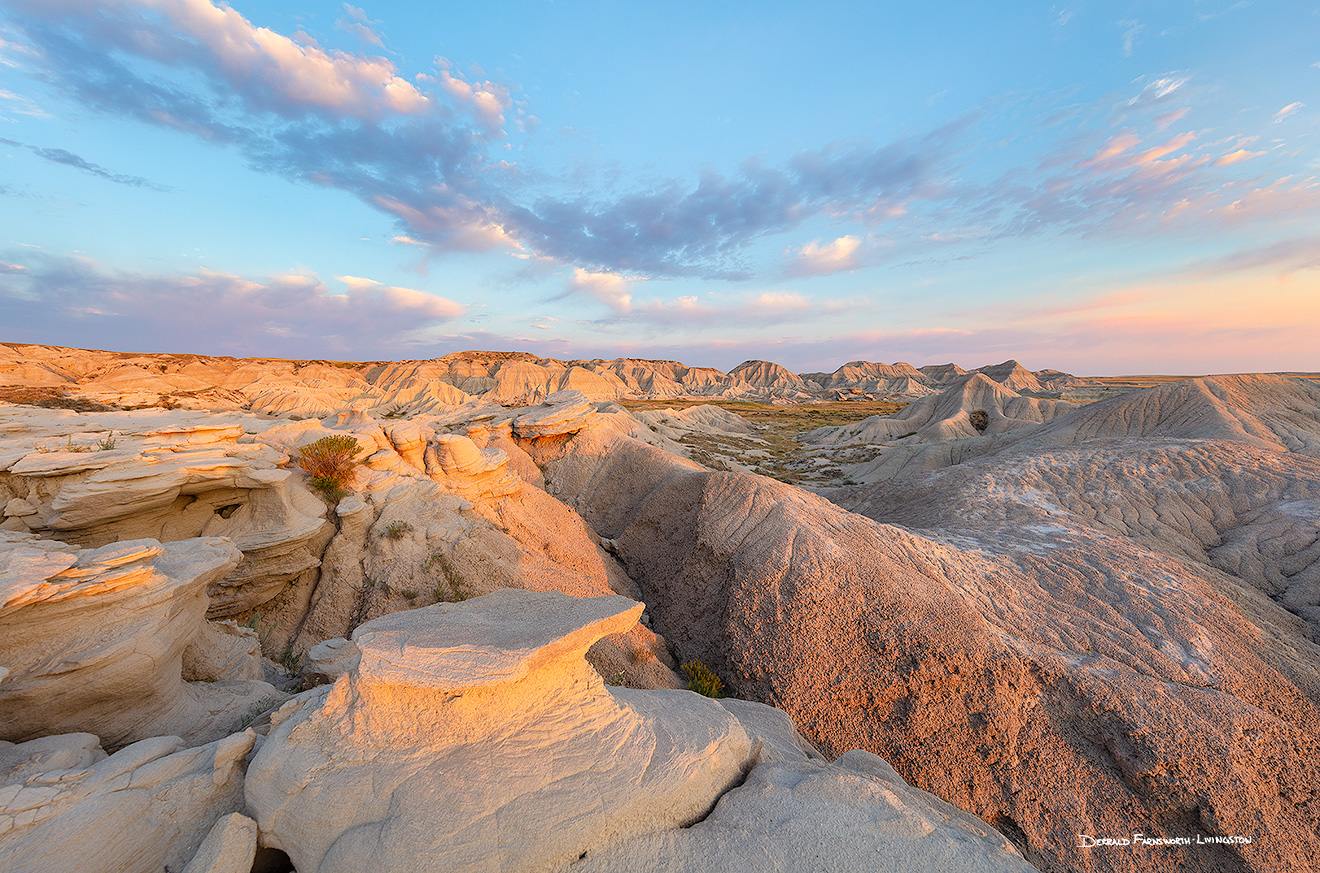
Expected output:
(105, 640)
(488, 743)
(65, 807)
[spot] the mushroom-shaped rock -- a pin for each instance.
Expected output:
(562, 413)
(488, 743)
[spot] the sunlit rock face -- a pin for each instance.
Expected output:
(489, 743)
(100, 478)
(114, 641)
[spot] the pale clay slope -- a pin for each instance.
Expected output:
(1274, 412)
(1055, 672)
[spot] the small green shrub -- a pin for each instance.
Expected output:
(329, 462)
(702, 679)
(396, 411)
(108, 443)
(395, 530)
(453, 587)
(980, 419)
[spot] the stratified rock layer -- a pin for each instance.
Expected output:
(104, 640)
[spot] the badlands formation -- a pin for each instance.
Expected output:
(1029, 614)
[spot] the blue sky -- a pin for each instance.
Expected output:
(1098, 187)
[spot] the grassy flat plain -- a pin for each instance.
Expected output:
(776, 450)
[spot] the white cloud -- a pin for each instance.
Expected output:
(816, 259)
(359, 25)
(613, 290)
(1132, 31)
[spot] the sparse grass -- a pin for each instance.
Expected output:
(453, 587)
(409, 593)
(108, 443)
(260, 708)
(396, 530)
(702, 679)
(773, 448)
(616, 679)
(329, 462)
(1296, 408)
(396, 411)
(292, 660)
(906, 435)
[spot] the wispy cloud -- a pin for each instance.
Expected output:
(1235, 156)
(12, 268)
(1132, 31)
(611, 289)
(358, 24)
(22, 105)
(69, 159)
(1286, 111)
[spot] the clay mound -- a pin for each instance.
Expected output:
(860, 374)
(1279, 412)
(947, 416)
(767, 375)
(1013, 375)
(1051, 679)
(941, 373)
(1228, 505)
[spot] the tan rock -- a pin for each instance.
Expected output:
(447, 696)
(328, 660)
(563, 413)
(96, 639)
(230, 847)
(65, 807)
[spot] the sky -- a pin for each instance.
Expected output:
(1097, 187)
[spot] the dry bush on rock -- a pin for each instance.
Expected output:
(329, 462)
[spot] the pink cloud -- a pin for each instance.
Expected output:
(613, 290)
(1234, 157)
